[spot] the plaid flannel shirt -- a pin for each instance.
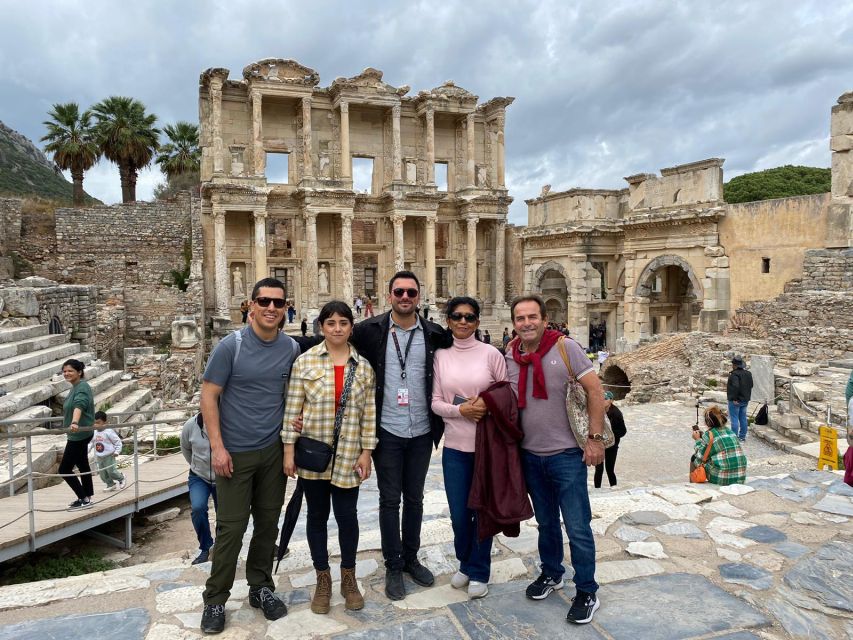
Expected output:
(312, 393)
(726, 462)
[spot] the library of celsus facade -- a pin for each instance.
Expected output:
(333, 189)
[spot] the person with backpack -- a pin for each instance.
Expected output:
(195, 447)
(617, 422)
(739, 392)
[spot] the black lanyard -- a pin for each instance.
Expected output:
(401, 357)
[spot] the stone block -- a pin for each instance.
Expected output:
(127, 623)
(763, 379)
(162, 516)
(804, 369)
(807, 392)
(20, 302)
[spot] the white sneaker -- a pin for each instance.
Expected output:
(112, 487)
(477, 589)
(459, 580)
(122, 483)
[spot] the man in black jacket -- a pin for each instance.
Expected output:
(738, 392)
(400, 346)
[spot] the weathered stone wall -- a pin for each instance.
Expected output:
(170, 376)
(10, 235)
(112, 321)
(36, 255)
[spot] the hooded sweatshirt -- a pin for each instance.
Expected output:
(195, 446)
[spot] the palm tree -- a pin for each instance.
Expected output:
(71, 139)
(181, 154)
(128, 137)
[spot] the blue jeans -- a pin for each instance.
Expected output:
(200, 492)
(737, 415)
(475, 558)
(557, 484)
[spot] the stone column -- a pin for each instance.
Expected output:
(308, 170)
(215, 92)
(471, 262)
(396, 151)
(470, 179)
(222, 286)
(260, 245)
(399, 252)
(429, 118)
(346, 266)
(259, 159)
(346, 161)
(430, 258)
(500, 261)
(309, 266)
(501, 169)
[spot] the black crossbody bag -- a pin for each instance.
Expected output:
(315, 455)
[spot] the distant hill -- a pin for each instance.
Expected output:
(26, 171)
(781, 182)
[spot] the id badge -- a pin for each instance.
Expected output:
(402, 397)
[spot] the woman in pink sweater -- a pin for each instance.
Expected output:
(461, 373)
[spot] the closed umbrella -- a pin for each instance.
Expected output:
(291, 515)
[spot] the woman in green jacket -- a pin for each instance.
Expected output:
(78, 411)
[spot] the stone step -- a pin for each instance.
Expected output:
(100, 381)
(19, 348)
(132, 402)
(39, 373)
(22, 333)
(45, 454)
(775, 439)
(114, 394)
(18, 364)
(32, 394)
(37, 411)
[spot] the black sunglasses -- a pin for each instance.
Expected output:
(264, 302)
(456, 316)
(412, 293)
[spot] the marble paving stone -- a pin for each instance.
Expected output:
(738, 635)
(814, 477)
(747, 575)
(650, 518)
(799, 623)
(510, 616)
(127, 624)
(791, 549)
(169, 574)
(432, 598)
(764, 534)
(526, 542)
(801, 494)
(737, 489)
(769, 560)
(161, 631)
(829, 517)
(729, 554)
(434, 559)
(841, 489)
(726, 509)
(45, 591)
(507, 570)
(295, 597)
(807, 517)
(304, 625)
(376, 612)
(682, 529)
(687, 494)
(635, 608)
(616, 570)
(627, 533)
(430, 629)
(652, 550)
(168, 586)
(769, 519)
(772, 483)
(840, 505)
(826, 576)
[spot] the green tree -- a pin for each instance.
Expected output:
(128, 137)
(72, 142)
(781, 182)
(181, 154)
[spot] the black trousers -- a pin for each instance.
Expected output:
(401, 467)
(76, 454)
(609, 464)
(318, 495)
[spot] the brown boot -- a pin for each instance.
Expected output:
(349, 590)
(323, 593)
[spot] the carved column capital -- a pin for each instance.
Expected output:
(472, 221)
(218, 215)
(398, 218)
(310, 217)
(431, 220)
(347, 217)
(260, 215)
(395, 111)
(344, 106)
(306, 102)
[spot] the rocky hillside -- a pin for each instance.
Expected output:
(26, 171)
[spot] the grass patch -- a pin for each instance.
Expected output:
(711, 382)
(51, 568)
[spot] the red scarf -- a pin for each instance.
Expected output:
(549, 339)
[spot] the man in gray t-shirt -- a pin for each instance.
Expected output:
(554, 466)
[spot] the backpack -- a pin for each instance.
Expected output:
(761, 417)
(238, 337)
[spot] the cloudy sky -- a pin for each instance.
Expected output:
(604, 89)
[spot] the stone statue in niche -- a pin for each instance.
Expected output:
(411, 172)
(482, 176)
(323, 277)
(325, 165)
(238, 289)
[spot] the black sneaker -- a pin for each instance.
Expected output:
(264, 599)
(394, 587)
(543, 586)
(419, 573)
(213, 618)
(584, 605)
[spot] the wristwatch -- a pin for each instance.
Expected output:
(596, 436)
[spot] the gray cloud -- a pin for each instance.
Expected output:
(603, 90)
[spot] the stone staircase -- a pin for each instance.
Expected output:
(30, 374)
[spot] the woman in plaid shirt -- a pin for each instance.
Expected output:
(726, 462)
(316, 385)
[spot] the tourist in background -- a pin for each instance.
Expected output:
(461, 374)
(368, 307)
(738, 392)
(78, 411)
(303, 327)
(487, 337)
(106, 445)
(195, 447)
(617, 421)
(726, 461)
(244, 310)
(358, 305)
(332, 385)
(291, 313)
(505, 339)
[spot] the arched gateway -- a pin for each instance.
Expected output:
(671, 293)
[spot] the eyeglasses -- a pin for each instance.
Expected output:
(456, 317)
(399, 293)
(264, 302)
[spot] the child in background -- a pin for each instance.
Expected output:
(106, 445)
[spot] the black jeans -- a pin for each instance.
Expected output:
(401, 467)
(318, 495)
(610, 464)
(76, 454)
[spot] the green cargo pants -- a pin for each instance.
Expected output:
(256, 486)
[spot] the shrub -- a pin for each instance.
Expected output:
(711, 382)
(50, 568)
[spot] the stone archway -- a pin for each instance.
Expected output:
(551, 265)
(670, 296)
(551, 282)
(55, 326)
(556, 309)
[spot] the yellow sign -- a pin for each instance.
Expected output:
(828, 448)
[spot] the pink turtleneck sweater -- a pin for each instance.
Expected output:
(467, 369)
